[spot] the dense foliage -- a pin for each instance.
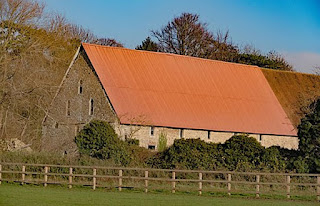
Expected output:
(270, 61)
(309, 136)
(148, 45)
(239, 153)
(98, 139)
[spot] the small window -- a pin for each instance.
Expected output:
(260, 137)
(68, 108)
(80, 90)
(181, 133)
(91, 107)
(152, 131)
(209, 135)
(151, 147)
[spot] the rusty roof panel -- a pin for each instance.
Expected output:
(185, 92)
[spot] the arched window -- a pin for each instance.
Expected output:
(91, 107)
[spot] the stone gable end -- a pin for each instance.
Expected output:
(80, 99)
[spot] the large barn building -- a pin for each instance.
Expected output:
(144, 94)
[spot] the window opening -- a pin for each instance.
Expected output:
(80, 87)
(91, 107)
(151, 147)
(181, 133)
(68, 108)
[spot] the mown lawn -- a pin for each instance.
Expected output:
(13, 194)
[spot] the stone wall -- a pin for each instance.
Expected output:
(282, 141)
(143, 134)
(71, 108)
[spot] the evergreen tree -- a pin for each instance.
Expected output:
(148, 45)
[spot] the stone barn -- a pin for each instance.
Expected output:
(147, 94)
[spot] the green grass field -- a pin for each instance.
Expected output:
(13, 194)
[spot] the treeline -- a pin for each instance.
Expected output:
(187, 35)
(36, 48)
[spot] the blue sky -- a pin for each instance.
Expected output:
(291, 27)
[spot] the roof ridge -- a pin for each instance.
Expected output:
(170, 54)
(186, 56)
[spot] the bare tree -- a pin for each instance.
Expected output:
(223, 48)
(187, 35)
(59, 25)
(35, 50)
(20, 11)
(108, 42)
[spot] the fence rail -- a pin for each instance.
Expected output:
(200, 180)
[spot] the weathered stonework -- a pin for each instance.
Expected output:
(143, 134)
(282, 141)
(72, 108)
(220, 137)
(61, 125)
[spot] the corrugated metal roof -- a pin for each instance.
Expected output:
(186, 92)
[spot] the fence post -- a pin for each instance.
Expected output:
(200, 183)
(94, 179)
(257, 186)
(120, 180)
(288, 186)
(0, 174)
(70, 177)
(146, 174)
(173, 182)
(23, 174)
(318, 188)
(45, 175)
(229, 184)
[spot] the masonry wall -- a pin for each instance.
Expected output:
(61, 125)
(143, 134)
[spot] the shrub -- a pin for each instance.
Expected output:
(239, 153)
(309, 137)
(162, 144)
(272, 160)
(98, 139)
(187, 154)
(131, 141)
(241, 149)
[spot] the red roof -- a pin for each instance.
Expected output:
(177, 91)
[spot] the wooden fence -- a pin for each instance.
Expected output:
(114, 177)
